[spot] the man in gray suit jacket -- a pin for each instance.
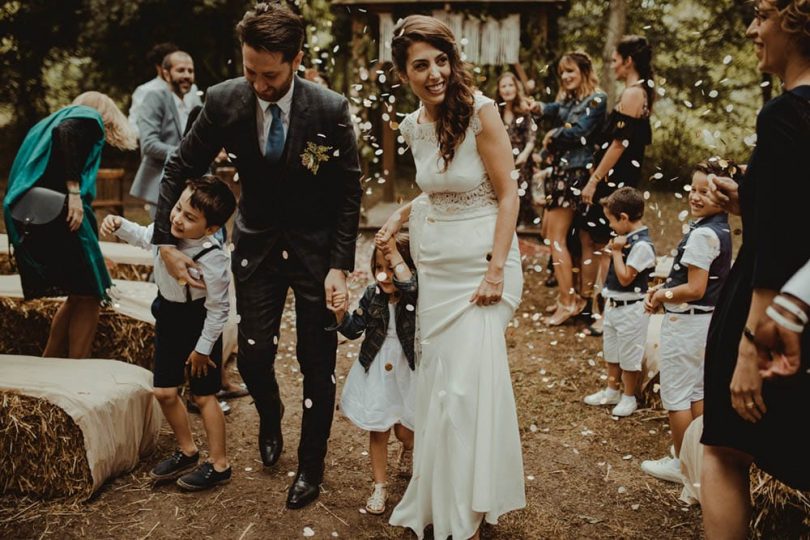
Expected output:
(293, 145)
(161, 124)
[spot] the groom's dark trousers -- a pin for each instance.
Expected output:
(263, 295)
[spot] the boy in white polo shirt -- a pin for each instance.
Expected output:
(689, 295)
(625, 325)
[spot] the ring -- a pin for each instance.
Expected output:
(750, 404)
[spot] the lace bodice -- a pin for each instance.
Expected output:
(464, 185)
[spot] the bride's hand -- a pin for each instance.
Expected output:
(490, 290)
(391, 227)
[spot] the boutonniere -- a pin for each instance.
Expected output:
(314, 155)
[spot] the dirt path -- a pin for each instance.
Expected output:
(582, 466)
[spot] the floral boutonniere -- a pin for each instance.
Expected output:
(314, 155)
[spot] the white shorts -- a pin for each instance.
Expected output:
(683, 346)
(624, 335)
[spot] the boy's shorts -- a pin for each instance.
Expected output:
(683, 347)
(624, 334)
(177, 329)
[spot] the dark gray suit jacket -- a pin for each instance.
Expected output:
(159, 133)
(315, 215)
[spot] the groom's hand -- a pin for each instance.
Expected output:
(178, 264)
(335, 289)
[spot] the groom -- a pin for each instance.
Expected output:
(293, 145)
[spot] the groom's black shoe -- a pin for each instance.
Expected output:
(271, 443)
(304, 490)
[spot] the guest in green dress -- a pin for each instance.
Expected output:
(63, 153)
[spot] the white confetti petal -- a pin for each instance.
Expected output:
(308, 531)
(308, 403)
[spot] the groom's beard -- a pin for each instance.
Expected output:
(274, 94)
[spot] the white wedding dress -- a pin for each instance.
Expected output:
(467, 462)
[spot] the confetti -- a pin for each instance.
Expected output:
(308, 531)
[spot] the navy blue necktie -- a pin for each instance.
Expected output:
(274, 146)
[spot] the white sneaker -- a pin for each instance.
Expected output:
(606, 396)
(627, 406)
(666, 468)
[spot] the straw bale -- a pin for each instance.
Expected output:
(779, 511)
(41, 450)
(7, 266)
(118, 336)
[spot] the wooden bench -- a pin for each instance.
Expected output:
(110, 190)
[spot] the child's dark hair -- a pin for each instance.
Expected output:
(213, 198)
(404, 248)
(625, 200)
(720, 167)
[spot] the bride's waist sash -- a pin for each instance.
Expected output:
(453, 205)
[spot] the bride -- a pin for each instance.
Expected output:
(467, 459)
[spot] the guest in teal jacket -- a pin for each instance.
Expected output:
(63, 153)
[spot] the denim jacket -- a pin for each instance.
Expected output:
(372, 315)
(578, 120)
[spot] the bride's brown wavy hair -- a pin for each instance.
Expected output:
(458, 107)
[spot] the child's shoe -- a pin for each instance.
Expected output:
(606, 396)
(204, 477)
(376, 502)
(175, 465)
(666, 468)
(405, 461)
(626, 406)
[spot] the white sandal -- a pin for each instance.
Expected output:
(376, 502)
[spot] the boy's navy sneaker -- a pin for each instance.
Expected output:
(175, 465)
(204, 477)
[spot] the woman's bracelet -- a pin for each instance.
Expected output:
(783, 321)
(74, 192)
(595, 177)
(493, 282)
(783, 302)
(749, 335)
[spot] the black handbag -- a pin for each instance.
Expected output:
(39, 206)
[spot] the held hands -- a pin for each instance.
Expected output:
(178, 265)
(490, 290)
(389, 229)
(199, 364)
(778, 349)
(110, 224)
(339, 307)
(75, 212)
(336, 291)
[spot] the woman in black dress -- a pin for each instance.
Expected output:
(62, 153)
(618, 164)
(747, 418)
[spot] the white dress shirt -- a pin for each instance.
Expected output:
(182, 111)
(264, 118)
(216, 273)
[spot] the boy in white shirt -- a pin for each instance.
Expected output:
(688, 296)
(188, 327)
(625, 325)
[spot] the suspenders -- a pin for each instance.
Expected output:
(196, 258)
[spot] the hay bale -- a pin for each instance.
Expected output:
(779, 511)
(41, 450)
(118, 337)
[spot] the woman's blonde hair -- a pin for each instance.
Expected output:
(117, 131)
(519, 103)
(794, 18)
(590, 82)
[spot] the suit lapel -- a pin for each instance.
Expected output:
(299, 115)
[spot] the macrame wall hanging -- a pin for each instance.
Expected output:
(485, 42)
